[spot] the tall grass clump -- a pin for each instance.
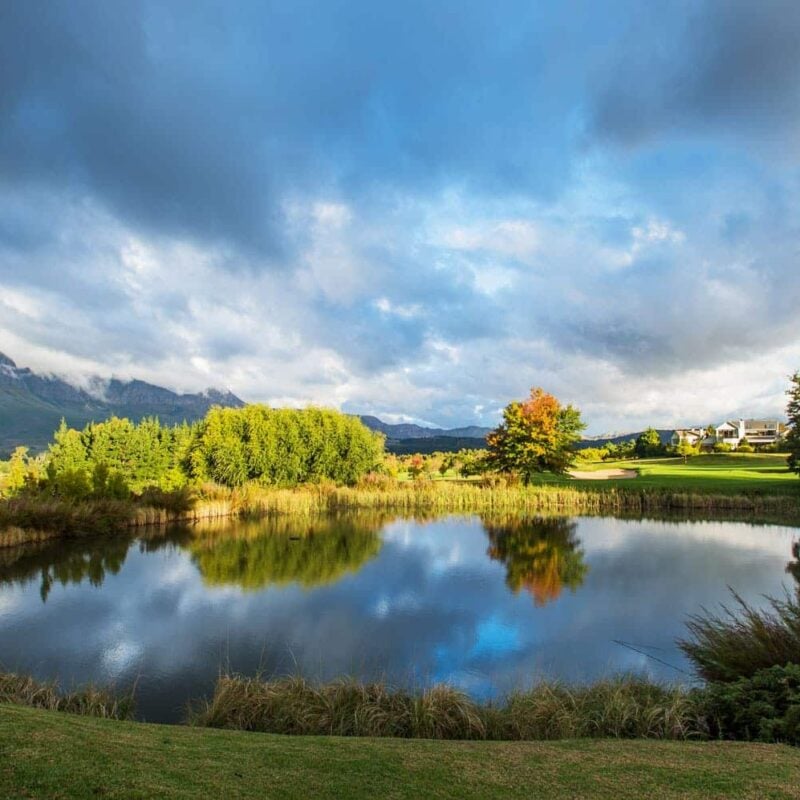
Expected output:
(743, 640)
(343, 708)
(625, 707)
(62, 517)
(91, 701)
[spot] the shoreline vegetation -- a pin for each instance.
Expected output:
(257, 461)
(27, 519)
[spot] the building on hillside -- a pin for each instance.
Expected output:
(757, 432)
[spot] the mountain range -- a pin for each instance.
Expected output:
(407, 430)
(32, 406)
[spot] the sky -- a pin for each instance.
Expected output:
(417, 210)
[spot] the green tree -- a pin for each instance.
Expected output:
(282, 447)
(793, 412)
(472, 462)
(449, 461)
(537, 435)
(685, 449)
(648, 444)
(68, 451)
(20, 471)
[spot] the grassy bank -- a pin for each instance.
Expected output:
(754, 485)
(49, 755)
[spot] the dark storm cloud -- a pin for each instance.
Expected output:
(197, 120)
(731, 68)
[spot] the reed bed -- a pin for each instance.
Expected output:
(89, 701)
(624, 707)
(36, 518)
(440, 496)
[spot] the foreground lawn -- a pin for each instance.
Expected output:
(723, 473)
(54, 755)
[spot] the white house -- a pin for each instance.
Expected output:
(757, 432)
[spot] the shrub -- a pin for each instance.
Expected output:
(107, 483)
(722, 447)
(375, 481)
(500, 480)
(763, 708)
(742, 641)
(745, 447)
(178, 501)
(282, 447)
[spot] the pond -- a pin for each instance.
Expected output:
(485, 604)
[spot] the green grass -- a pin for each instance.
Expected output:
(51, 755)
(728, 473)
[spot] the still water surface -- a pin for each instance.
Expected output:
(484, 604)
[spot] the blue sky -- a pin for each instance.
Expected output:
(416, 209)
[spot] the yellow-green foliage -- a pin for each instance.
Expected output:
(282, 446)
(106, 459)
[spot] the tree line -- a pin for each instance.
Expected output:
(287, 447)
(231, 447)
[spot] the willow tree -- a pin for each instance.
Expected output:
(536, 435)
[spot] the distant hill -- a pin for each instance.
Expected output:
(434, 444)
(406, 430)
(31, 405)
(618, 438)
(404, 438)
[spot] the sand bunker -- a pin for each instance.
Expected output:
(604, 474)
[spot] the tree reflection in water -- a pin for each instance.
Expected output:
(73, 561)
(278, 551)
(793, 567)
(542, 555)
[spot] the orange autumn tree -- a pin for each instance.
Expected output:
(537, 435)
